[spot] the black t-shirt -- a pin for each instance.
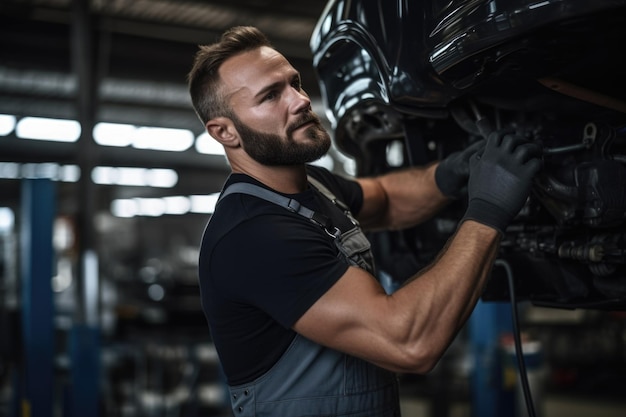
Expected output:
(262, 266)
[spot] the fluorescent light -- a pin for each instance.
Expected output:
(153, 207)
(163, 139)
(124, 208)
(131, 207)
(143, 137)
(7, 124)
(69, 173)
(9, 170)
(140, 177)
(206, 144)
(48, 170)
(103, 175)
(163, 178)
(203, 203)
(177, 205)
(113, 134)
(44, 170)
(40, 128)
(130, 176)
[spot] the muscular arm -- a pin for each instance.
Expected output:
(400, 199)
(409, 330)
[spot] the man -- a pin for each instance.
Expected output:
(300, 323)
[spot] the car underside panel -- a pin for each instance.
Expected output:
(407, 83)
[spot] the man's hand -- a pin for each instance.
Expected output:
(500, 179)
(452, 172)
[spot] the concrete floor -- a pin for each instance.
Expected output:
(551, 407)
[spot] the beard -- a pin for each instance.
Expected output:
(272, 150)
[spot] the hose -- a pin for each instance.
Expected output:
(516, 335)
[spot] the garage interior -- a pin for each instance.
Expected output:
(120, 330)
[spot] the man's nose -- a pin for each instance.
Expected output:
(300, 101)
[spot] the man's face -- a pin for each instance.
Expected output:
(272, 149)
(270, 111)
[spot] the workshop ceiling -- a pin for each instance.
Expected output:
(135, 55)
(141, 51)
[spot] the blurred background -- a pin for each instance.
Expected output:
(106, 182)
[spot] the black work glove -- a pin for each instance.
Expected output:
(453, 171)
(500, 179)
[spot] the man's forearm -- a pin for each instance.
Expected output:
(411, 196)
(442, 296)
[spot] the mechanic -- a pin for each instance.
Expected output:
(301, 325)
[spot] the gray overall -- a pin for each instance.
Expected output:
(310, 379)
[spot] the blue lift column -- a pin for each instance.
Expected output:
(490, 393)
(36, 255)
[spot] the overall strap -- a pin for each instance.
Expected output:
(352, 244)
(327, 193)
(286, 202)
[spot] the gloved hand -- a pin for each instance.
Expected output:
(452, 172)
(500, 179)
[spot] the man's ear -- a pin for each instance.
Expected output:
(223, 130)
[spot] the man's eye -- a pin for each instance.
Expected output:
(269, 96)
(296, 84)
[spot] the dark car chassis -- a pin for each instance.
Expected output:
(424, 79)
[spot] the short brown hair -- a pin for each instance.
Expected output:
(203, 79)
